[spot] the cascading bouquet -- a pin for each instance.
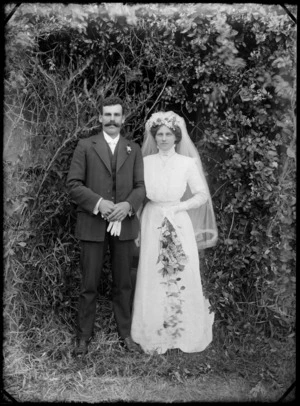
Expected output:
(173, 260)
(171, 254)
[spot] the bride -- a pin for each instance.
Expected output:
(169, 309)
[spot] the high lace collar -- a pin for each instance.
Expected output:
(168, 153)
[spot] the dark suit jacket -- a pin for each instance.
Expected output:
(90, 177)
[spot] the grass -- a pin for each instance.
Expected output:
(39, 366)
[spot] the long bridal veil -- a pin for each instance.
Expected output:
(203, 218)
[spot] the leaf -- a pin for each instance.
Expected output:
(245, 95)
(291, 153)
(177, 376)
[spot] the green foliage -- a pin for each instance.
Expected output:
(230, 71)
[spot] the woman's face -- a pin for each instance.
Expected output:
(165, 138)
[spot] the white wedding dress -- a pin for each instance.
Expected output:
(160, 299)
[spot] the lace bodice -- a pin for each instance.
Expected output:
(166, 179)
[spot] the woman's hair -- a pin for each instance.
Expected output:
(176, 131)
(112, 101)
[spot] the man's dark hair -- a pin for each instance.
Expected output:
(112, 101)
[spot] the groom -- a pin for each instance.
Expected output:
(106, 181)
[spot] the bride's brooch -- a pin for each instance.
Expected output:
(128, 148)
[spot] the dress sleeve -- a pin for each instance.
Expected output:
(197, 188)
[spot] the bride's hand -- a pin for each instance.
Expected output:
(170, 212)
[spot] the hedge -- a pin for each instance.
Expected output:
(229, 70)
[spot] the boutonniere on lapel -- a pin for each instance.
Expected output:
(128, 149)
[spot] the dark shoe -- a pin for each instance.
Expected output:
(81, 348)
(131, 346)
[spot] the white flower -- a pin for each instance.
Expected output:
(128, 148)
(168, 119)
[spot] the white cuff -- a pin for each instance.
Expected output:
(130, 213)
(96, 208)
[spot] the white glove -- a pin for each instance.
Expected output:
(114, 228)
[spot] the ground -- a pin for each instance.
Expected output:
(111, 374)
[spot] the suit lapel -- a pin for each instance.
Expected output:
(100, 146)
(122, 152)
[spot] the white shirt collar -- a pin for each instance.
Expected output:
(110, 140)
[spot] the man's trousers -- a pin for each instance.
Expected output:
(92, 256)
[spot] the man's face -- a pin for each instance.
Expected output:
(112, 119)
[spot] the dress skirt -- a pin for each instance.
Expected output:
(169, 311)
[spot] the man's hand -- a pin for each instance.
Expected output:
(120, 211)
(106, 207)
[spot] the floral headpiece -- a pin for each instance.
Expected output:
(168, 119)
